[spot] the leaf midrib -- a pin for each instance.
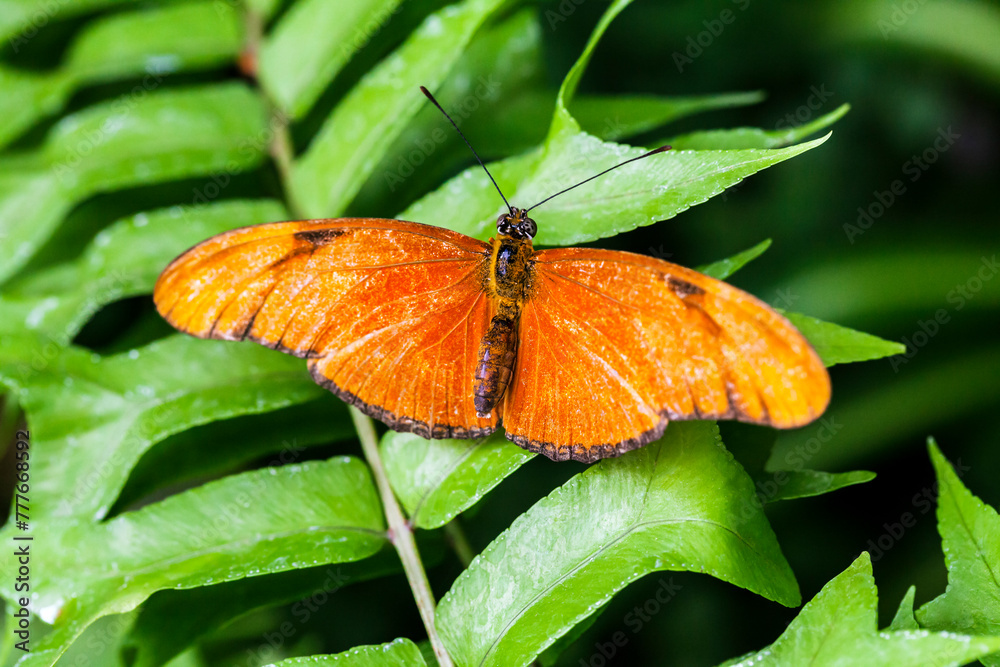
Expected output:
(972, 538)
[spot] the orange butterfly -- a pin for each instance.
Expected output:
(581, 353)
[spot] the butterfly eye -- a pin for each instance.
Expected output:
(530, 228)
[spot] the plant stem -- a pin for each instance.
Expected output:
(281, 151)
(280, 144)
(401, 535)
(459, 542)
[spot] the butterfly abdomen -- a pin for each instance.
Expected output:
(507, 285)
(496, 363)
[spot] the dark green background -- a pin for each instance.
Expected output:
(894, 276)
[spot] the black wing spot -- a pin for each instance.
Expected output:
(318, 237)
(683, 288)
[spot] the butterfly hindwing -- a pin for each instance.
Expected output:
(613, 345)
(389, 313)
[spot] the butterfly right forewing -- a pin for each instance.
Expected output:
(614, 345)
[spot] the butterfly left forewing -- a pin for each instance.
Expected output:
(414, 373)
(614, 345)
(385, 310)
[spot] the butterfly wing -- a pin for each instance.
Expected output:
(613, 345)
(389, 313)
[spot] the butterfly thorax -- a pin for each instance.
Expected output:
(509, 282)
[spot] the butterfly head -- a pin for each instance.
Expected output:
(516, 224)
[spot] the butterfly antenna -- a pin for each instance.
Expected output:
(652, 152)
(481, 163)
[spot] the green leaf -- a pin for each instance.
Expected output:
(436, 480)
(146, 43)
(399, 653)
(361, 128)
(152, 137)
(724, 268)
(24, 225)
(19, 19)
(753, 137)
(427, 653)
(311, 43)
(970, 537)
(92, 417)
(839, 345)
(504, 57)
(123, 260)
(256, 523)
(135, 140)
(156, 42)
(170, 620)
(655, 189)
(841, 623)
(101, 643)
(778, 485)
(27, 97)
(192, 657)
(275, 438)
(904, 620)
(682, 503)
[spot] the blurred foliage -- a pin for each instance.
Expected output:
(202, 503)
